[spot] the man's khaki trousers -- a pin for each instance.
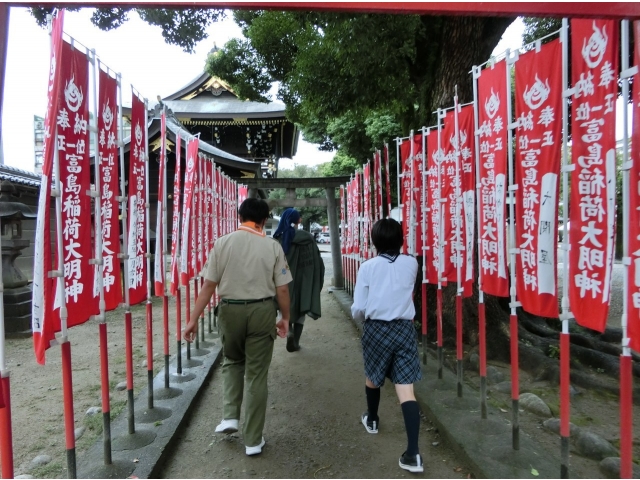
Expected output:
(247, 333)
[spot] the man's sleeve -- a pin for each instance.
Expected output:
(281, 271)
(210, 271)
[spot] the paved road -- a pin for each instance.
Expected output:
(313, 429)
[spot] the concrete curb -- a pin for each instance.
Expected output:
(485, 445)
(148, 460)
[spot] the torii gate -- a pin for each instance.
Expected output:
(291, 184)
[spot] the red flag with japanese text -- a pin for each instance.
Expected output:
(43, 318)
(187, 214)
(175, 230)
(73, 157)
(387, 180)
(137, 201)
(405, 191)
(377, 176)
(218, 202)
(434, 215)
(357, 205)
(492, 138)
(109, 206)
(634, 207)
(343, 246)
(594, 67)
(207, 212)
(466, 150)
(537, 167)
(451, 206)
(158, 266)
(199, 193)
(366, 217)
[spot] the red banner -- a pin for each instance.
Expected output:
(175, 231)
(634, 207)
(405, 191)
(434, 215)
(357, 212)
(158, 266)
(207, 211)
(537, 166)
(457, 181)
(187, 202)
(109, 207)
(43, 319)
(492, 135)
(198, 263)
(594, 67)
(451, 206)
(388, 182)
(73, 157)
(467, 169)
(377, 174)
(137, 200)
(366, 217)
(243, 192)
(218, 202)
(343, 230)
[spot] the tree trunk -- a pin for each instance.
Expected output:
(466, 41)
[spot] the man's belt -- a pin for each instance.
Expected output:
(230, 301)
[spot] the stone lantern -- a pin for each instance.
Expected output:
(17, 293)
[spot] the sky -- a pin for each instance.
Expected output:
(136, 50)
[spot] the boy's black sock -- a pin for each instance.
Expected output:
(373, 400)
(411, 414)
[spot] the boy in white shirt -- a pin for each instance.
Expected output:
(383, 300)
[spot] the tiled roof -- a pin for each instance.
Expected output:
(16, 175)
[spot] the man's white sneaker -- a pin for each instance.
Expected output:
(257, 449)
(227, 426)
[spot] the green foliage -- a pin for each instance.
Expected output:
(342, 164)
(351, 81)
(535, 28)
(184, 27)
(554, 351)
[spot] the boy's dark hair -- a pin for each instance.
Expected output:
(253, 210)
(386, 235)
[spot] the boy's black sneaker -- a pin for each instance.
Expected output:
(411, 463)
(370, 425)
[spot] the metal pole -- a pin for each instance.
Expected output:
(6, 432)
(481, 305)
(515, 425)
(458, 245)
(438, 161)
(626, 373)
(423, 244)
(124, 201)
(99, 270)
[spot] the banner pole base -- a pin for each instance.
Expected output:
(515, 424)
(564, 457)
(106, 437)
(459, 372)
(440, 359)
(150, 388)
(130, 413)
(166, 371)
(71, 463)
(483, 397)
(179, 358)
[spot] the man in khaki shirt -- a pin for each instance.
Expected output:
(249, 269)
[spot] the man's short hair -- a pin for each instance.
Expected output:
(386, 235)
(253, 210)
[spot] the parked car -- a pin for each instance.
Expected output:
(324, 237)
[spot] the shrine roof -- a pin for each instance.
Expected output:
(207, 96)
(19, 176)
